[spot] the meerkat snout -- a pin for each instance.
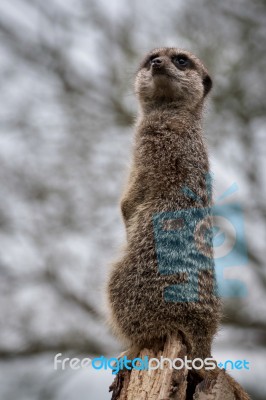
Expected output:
(157, 62)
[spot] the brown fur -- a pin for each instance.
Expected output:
(169, 153)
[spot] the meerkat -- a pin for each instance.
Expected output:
(169, 155)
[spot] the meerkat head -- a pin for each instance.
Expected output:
(171, 75)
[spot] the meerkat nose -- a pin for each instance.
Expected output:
(157, 62)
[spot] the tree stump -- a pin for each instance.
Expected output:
(155, 384)
(167, 383)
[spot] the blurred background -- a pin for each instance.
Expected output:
(66, 115)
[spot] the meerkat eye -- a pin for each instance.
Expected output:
(180, 60)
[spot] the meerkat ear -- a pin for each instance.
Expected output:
(207, 83)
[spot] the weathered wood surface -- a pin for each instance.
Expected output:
(166, 383)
